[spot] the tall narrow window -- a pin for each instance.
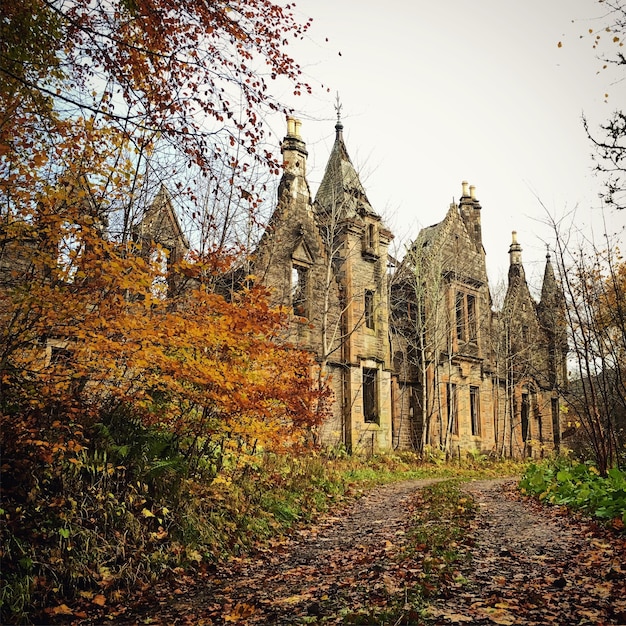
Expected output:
(369, 241)
(556, 425)
(369, 309)
(472, 326)
(370, 395)
(451, 405)
(299, 300)
(460, 321)
(475, 410)
(466, 316)
(525, 417)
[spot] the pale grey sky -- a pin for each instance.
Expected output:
(435, 93)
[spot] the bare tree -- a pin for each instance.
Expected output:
(594, 281)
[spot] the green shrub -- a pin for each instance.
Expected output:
(578, 486)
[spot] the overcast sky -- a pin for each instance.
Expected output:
(434, 93)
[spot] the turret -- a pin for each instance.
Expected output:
(294, 149)
(516, 269)
(552, 317)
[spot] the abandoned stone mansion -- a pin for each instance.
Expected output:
(414, 352)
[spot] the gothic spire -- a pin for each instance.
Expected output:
(551, 292)
(341, 189)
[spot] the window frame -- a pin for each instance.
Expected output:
(475, 410)
(299, 292)
(452, 407)
(466, 316)
(371, 414)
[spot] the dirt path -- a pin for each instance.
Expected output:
(528, 566)
(533, 565)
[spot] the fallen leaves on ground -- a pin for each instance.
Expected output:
(530, 565)
(538, 565)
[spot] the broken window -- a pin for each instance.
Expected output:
(466, 317)
(451, 405)
(471, 318)
(525, 417)
(556, 426)
(299, 283)
(369, 241)
(370, 395)
(475, 410)
(159, 270)
(460, 322)
(369, 309)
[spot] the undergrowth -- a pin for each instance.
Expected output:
(116, 517)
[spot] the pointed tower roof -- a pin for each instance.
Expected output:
(517, 292)
(341, 189)
(551, 292)
(161, 223)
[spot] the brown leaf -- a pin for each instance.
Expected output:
(62, 609)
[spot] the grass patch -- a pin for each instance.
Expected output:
(432, 559)
(391, 467)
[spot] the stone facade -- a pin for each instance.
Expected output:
(327, 259)
(413, 351)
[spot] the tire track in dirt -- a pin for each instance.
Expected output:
(535, 565)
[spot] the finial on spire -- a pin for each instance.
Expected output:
(338, 107)
(548, 257)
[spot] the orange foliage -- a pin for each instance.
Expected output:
(195, 364)
(85, 89)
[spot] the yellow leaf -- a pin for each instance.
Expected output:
(100, 600)
(239, 613)
(498, 616)
(62, 609)
(147, 513)
(295, 599)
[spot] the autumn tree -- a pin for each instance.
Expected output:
(101, 104)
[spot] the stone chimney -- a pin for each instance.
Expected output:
(470, 212)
